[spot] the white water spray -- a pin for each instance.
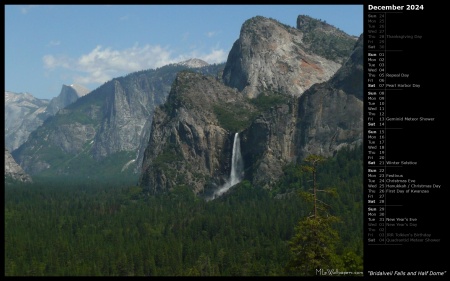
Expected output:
(237, 168)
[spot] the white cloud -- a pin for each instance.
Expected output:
(102, 64)
(216, 56)
(27, 8)
(51, 62)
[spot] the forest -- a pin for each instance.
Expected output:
(81, 228)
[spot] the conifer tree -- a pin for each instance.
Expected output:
(313, 245)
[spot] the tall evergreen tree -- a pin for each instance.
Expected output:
(313, 245)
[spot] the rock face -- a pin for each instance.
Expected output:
(327, 117)
(332, 112)
(102, 131)
(349, 76)
(13, 170)
(126, 108)
(24, 113)
(188, 143)
(192, 134)
(269, 143)
(68, 95)
(273, 56)
(129, 112)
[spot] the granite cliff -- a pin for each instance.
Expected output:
(272, 56)
(24, 113)
(103, 133)
(13, 172)
(192, 134)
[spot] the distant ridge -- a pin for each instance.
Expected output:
(193, 63)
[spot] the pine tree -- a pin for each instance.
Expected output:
(313, 245)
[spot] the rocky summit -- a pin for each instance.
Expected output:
(272, 56)
(24, 113)
(193, 63)
(68, 95)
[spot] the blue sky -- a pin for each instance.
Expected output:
(47, 46)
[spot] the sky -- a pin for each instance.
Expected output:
(47, 46)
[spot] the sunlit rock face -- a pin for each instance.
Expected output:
(13, 170)
(274, 56)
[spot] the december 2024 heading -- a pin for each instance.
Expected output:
(395, 8)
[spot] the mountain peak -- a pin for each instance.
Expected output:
(193, 63)
(68, 95)
(80, 90)
(12, 97)
(273, 56)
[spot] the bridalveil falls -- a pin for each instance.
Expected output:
(237, 168)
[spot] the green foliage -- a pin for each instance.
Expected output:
(237, 117)
(69, 117)
(343, 175)
(83, 167)
(169, 155)
(233, 118)
(133, 193)
(268, 99)
(319, 243)
(335, 46)
(109, 230)
(344, 172)
(352, 262)
(98, 228)
(53, 155)
(172, 103)
(165, 161)
(311, 196)
(313, 246)
(290, 180)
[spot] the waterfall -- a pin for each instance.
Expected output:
(237, 168)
